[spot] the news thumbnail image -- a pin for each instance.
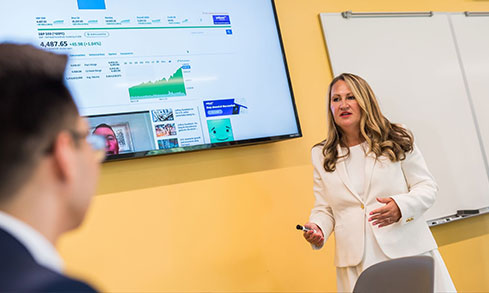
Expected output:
(168, 129)
(162, 115)
(167, 143)
(220, 130)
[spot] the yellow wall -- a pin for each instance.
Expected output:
(223, 220)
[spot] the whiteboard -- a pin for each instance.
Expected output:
(472, 38)
(413, 66)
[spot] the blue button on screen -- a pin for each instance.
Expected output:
(221, 19)
(91, 4)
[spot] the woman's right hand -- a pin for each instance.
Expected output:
(315, 235)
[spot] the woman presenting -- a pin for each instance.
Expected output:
(372, 187)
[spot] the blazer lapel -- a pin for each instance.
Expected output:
(341, 168)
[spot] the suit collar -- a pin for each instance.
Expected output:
(43, 252)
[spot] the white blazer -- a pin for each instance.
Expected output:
(338, 207)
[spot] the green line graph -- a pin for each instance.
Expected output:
(173, 87)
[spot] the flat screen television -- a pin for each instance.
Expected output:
(158, 76)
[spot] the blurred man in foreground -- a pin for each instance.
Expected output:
(48, 171)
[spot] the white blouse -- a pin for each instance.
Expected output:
(355, 166)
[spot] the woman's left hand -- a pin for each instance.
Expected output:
(386, 215)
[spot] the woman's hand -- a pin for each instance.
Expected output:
(386, 215)
(315, 235)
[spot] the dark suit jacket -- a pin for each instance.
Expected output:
(19, 272)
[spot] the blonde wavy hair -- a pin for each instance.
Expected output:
(383, 137)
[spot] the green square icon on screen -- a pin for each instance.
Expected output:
(220, 130)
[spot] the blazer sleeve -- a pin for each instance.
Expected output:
(321, 214)
(421, 185)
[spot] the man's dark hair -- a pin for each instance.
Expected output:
(35, 106)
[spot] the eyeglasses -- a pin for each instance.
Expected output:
(97, 142)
